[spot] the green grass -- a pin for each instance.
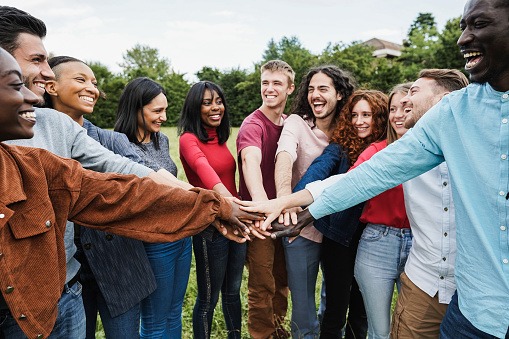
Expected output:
(218, 325)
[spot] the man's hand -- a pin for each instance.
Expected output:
(289, 215)
(237, 216)
(230, 232)
(271, 208)
(279, 230)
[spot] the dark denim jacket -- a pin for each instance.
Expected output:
(339, 226)
(119, 265)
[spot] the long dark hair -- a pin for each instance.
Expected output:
(136, 94)
(190, 117)
(343, 84)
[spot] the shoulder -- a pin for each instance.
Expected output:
(295, 120)
(49, 116)
(188, 137)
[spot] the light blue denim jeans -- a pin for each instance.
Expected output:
(70, 322)
(381, 258)
(161, 312)
(302, 264)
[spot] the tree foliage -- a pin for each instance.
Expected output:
(424, 47)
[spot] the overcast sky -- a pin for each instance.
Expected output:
(221, 33)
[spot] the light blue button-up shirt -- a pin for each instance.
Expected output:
(468, 128)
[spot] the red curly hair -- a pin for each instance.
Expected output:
(345, 133)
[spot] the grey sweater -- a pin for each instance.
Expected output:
(59, 134)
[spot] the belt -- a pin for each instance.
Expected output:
(74, 280)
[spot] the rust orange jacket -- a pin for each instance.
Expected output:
(39, 191)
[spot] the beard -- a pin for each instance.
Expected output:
(28, 82)
(417, 113)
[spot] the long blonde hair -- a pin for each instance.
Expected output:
(403, 89)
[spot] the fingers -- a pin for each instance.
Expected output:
(294, 218)
(287, 218)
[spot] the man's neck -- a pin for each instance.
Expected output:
(324, 125)
(273, 114)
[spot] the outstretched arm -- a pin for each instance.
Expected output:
(273, 208)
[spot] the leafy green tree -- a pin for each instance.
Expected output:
(110, 86)
(448, 53)
(420, 47)
(144, 61)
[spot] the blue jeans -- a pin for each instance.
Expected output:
(161, 312)
(455, 325)
(381, 258)
(70, 322)
(126, 325)
(302, 263)
(219, 267)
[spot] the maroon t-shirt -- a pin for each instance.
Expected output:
(257, 130)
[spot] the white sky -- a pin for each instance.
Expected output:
(221, 33)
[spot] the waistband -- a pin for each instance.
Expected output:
(392, 230)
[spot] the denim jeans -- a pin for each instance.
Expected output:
(126, 325)
(161, 312)
(381, 258)
(455, 325)
(302, 264)
(219, 267)
(70, 322)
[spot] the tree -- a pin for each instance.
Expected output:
(144, 61)
(110, 86)
(420, 47)
(448, 53)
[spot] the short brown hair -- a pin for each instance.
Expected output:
(448, 79)
(282, 67)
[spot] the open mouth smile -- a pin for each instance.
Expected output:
(473, 58)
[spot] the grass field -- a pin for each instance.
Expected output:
(218, 325)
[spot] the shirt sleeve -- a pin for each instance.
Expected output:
(397, 163)
(250, 134)
(197, 161)
(141, 209)
(92, 155)
(288, 141)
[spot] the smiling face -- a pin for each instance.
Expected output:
(362, 118)
(17, 117)
(420, 98)
(212, 109)
(484, 42)
(74, 91)
(32, 59)
(275, 89)
(322, 96)
(397, 114)
(155, 114)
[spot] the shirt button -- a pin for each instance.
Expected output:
(504, 121)
(444, 258)
(502, 193)
(505, 96)
(446, 209)
(503, 156)
(87, 246)
(505, 261)
(502, 228)
(9, 289)
(445, 234)
(48, 223)
(445, 183)
(442, 278)
(2, 215)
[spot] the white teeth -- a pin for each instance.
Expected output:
(271, 96)
(468, 55)
(40, 85)
(28, 115)
(408, 110)
(89, 99)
